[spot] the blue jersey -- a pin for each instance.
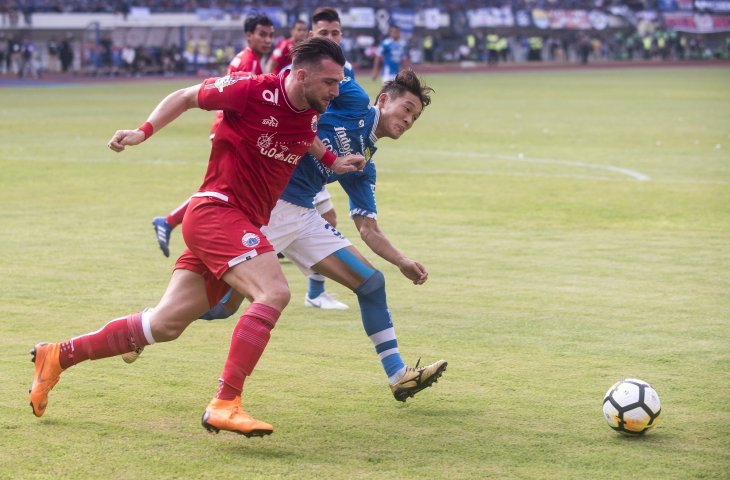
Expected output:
(342, 101)
(347, 127)
(393, 52)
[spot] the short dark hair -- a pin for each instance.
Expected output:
(297, 22)
(249, 25)
(316, 49)
(408, 81)
(327, 14)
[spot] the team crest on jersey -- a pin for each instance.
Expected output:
(250, 240)
(271, 121)
(224, 82)
(314, 123)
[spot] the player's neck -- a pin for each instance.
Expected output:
(295, 92)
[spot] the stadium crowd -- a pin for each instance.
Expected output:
(24, 54)
(26, 8)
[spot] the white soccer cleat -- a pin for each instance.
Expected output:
(325, 301)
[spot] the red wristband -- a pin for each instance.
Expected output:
(146, 127)
(328, 159)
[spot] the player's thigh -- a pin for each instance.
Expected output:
(346, 266)
(261, 280)
(315, 240)
(183, 302)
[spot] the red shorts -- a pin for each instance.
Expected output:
(218, 236)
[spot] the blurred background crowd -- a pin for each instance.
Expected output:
(170, 37)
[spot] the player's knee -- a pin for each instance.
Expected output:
(277, 296)
(374, 283)
(167, 330)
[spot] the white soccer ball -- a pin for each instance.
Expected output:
(631, 407)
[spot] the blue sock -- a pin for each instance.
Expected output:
(219, 310)
(379, 325)
(316, 285)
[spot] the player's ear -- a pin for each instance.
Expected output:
(300, 74)
(383, 98)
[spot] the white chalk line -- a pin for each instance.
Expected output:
(633, 174)
(383, 167)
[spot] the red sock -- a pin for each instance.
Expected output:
(176, 216)
(250, 337)
(119, 336)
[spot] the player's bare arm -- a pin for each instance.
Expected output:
(376, 66)
(379, 243)
(348, 163)
(166, 111)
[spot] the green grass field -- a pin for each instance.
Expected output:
(576, 227)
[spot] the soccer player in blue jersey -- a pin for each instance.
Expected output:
(391, 55)
(312, 244)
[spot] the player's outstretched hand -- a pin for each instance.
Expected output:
(122, 138)
(348, 163)
(414, 271)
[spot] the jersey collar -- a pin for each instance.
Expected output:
(374, 138)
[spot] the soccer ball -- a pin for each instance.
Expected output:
(631, 407)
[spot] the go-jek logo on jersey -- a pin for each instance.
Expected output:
(269, 148)
(344, 143)
(250, 240)
(226, 81)
(271, 97)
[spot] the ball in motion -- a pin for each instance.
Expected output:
(631, 407)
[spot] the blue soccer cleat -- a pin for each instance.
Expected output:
(162, 232)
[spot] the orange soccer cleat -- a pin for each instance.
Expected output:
(228, 415)
(46, 357)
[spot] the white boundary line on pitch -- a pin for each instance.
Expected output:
(638, 176)
(633, 174)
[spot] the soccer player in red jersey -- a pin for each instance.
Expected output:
(281, 56)
(259, 31)
(326, 24)
(251, 161)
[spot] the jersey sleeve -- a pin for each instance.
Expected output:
(245, 61)
(281, 50)
(225, 93)
(360, 189)
(352, 99)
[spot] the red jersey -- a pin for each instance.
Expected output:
(259, 143)
(282, 54)
(245, 61)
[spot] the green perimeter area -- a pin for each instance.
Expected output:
(576, 227)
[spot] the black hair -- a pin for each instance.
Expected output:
(327, 14)
(408, 81)
(249, 25)
(314, 50)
